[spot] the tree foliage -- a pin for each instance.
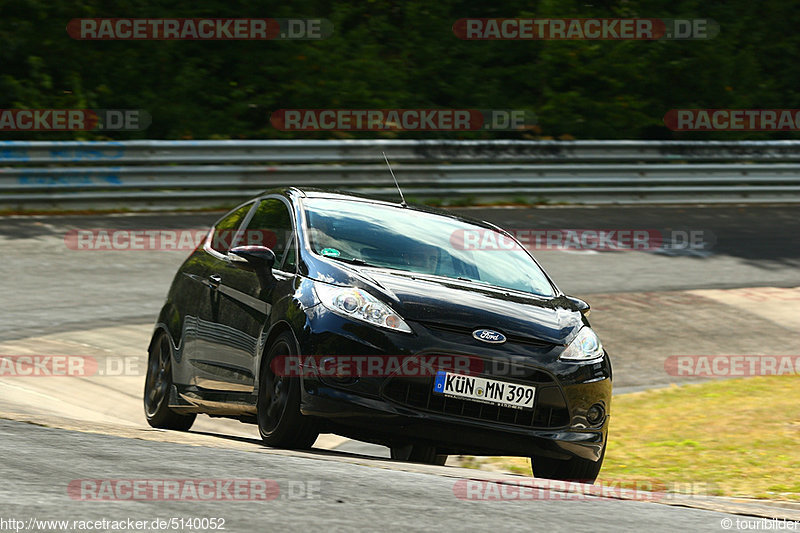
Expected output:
(401, 54)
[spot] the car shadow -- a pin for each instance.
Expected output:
(314, 451)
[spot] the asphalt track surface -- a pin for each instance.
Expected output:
(732, 296)
(48, 287)
(316, 494)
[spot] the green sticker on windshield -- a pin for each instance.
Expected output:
(330, 252)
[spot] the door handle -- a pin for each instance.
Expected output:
(214, 280)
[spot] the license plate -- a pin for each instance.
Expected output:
(484, 390)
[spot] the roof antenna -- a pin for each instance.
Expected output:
(402, 198)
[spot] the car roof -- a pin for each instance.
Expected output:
(334, 194)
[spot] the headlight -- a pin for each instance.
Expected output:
(359, 305)
(584, 347)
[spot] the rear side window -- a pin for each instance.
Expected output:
(225, 230)
(271, 226)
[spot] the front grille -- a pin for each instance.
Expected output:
(516, 339)
(549, 408)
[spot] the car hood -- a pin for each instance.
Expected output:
(461, 304)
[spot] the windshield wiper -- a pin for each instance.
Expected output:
(352, 261)
(474, 280)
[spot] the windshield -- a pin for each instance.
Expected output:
(423, 243)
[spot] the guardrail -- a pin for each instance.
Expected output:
(141, 174)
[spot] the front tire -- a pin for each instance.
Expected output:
(576, 469)
(157, 386)
(280, 422)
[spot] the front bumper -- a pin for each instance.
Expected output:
(397, 410)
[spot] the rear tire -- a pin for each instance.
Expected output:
(576, 469)
(157, 387)
(280, 422)
(418, 453)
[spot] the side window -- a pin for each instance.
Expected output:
(271, 226)
(290, 261)
(225, 230)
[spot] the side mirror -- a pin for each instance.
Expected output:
(258, 259)
(257, 256)
(582, 306)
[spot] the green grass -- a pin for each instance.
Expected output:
(733, 438)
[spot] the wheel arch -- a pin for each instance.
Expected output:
(170, 321)
(275, 330)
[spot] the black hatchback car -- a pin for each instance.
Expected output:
(297, 282)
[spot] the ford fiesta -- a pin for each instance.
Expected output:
(308, 312)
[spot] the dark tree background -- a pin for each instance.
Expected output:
(401, 54)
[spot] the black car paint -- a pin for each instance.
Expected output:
(217, 348)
